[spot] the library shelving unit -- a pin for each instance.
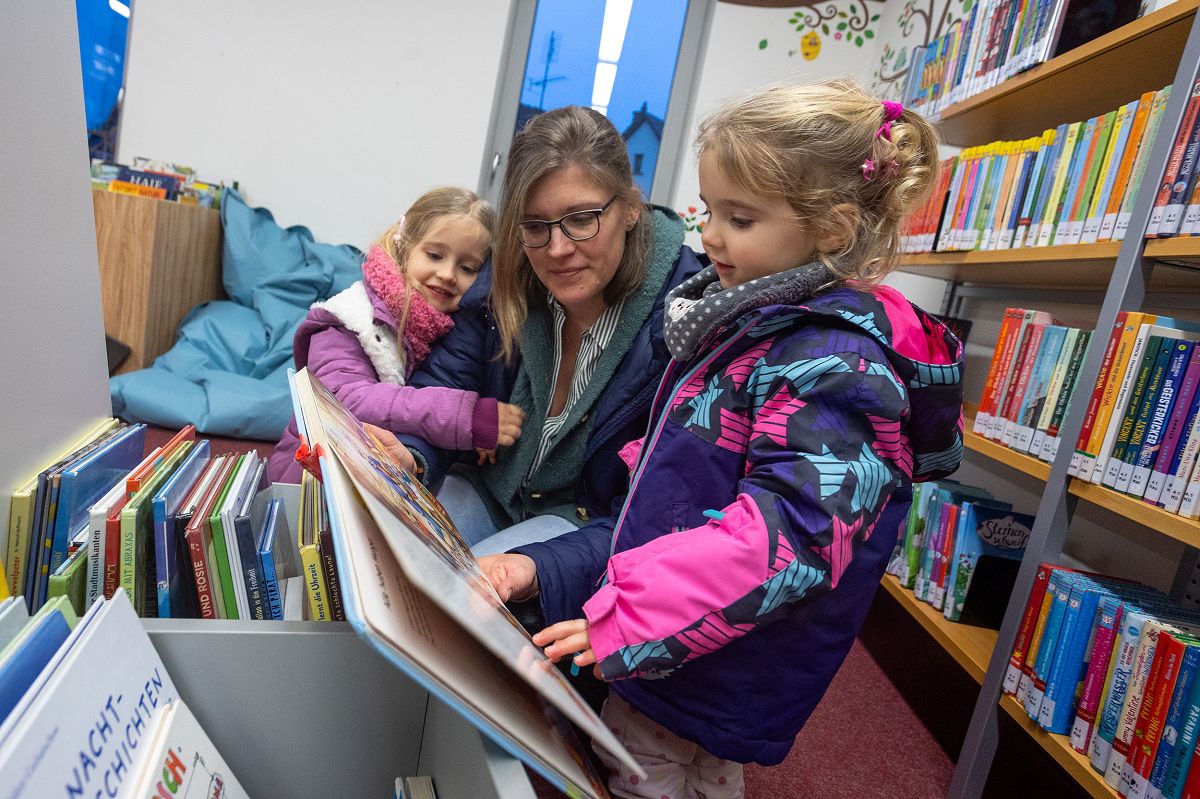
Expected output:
(295, 708)
(1162, 47)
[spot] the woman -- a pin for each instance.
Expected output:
(572, 334)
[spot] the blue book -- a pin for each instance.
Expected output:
(1069, 665)
(1179, 352)
(170, 582)
(1074, 180)
(1043, 197)
(985, 529)
(1049, 349)
(86, 479)
(1173, 727)
(1009, 228)
(272, 535)
(1184, 746)
(28, 654)
(1144, 369)
(243, 532)
(1049, 642)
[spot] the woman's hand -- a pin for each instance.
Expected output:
(513, 576)
(567, 637)
(388, 440)
(509, 419)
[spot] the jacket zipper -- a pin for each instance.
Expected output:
(658, 426)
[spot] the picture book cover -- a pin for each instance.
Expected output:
(178, 759)
(413, 590)
(990, 530)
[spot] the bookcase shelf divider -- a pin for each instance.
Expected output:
(1126, 291)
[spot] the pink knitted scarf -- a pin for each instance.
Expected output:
(423, 324)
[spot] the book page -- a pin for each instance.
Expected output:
(402, 621)
(434, 557)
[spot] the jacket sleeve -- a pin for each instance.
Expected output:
(824, 453)
(569, 568)
(443, 416)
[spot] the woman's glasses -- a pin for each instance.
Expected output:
(577, 226)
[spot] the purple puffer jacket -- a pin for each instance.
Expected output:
(448, 418)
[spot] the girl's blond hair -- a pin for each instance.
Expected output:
(548, 143)
(431, 206)
(808, 144)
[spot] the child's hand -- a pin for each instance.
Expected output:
(488, 455)
(389, 442)
(567, 637)
(513, 576)
(509, 419)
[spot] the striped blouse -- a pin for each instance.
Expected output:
(591, 347)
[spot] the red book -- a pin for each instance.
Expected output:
(1162, 681)
(112, 548)
(1089, 419)
(198, 546)
(1142, 757)
(1000, 358)
(1016, 660)
(1026, 356)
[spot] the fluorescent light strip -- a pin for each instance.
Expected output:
(606, 76)
(612, 35)
(603, 109)
(119, 7)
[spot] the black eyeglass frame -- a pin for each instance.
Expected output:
(550, 225)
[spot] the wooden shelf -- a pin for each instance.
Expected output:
(1131, 508)
(1089, 80)
(1072, 266)
(971, 647)
(1059, 748)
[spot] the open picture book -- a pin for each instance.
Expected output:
(412, 589)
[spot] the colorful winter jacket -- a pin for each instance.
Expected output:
(767, 499)
(349, 344)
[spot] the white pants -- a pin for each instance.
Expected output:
(675, 768)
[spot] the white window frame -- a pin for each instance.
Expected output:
(511, 78)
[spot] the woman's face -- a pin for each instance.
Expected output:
(577, 272)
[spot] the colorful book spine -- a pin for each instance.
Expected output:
(1108, 622)
(1116, 396)
(1070, 385)
(1129, 155)
(1122, 125)
(1139, 165)
(1125, 662)
(1179, 353)
(1102, 379)
(1024, 638)
(1167, 183)
(1151, 785)
(1183, 462)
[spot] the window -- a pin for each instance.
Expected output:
(620, 57)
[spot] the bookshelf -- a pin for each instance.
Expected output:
(971, 647)
(296, 708)
(1050, 93)
(1159, 49)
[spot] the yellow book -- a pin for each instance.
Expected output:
(1108, 167)
(1063, 167)
(1104, 411)
(20, 513)
(1035, 643)
(310, 555)
(4, 592)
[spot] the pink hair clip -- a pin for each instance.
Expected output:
(868, 169)
(399, 227)
(891, 112)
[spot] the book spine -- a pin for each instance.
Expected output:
(1184, 749)
(1151, 716)
(19, 528)
(1046, 649)
(1167, 183)
(1013, 405)
(314, 581)
(1069, 666)
(1054, 389)
(1097, 395)
(1000, 357)
(1144, 410)
(330, 570)
(1177, 426)
(1139, 165)
(1183, 462)
(1066, 166)
(1152, 786)
(1016, 660)
(1116, 689)
(1131, 709)
(1179, 352)
(201, 573)
(1070, 384)
(1128, 157)
(1029, 667)
(112, 555)
(1107, 623)
(1116, 395)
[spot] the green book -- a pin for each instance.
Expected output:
(70, 580)
(226, 598)
(137, 540)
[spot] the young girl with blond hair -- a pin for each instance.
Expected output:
(802, 400)
(365, 342)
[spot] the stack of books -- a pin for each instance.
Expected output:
(184, 534)
(159, 180)
(1141, 432)
(1000, 38)
(1074, 184)
(87, 709)
(1030, 382)
(953, 532)
(1114, 665)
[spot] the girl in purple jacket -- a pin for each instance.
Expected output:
(801, 402)
(365, 342)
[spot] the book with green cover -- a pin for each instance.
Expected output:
(218, 558)
(137, 571)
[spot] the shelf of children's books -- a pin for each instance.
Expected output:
(970, 646)
(1059, 748)
(1134, 509)
(1081, 83)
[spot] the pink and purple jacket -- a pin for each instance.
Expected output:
(761, 514)
(449, 418)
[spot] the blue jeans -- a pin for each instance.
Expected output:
(470, 515)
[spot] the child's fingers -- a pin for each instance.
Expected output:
(565, 646)
(488, 455)
(560, 630)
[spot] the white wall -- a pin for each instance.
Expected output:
(332, 115)
(54, 385)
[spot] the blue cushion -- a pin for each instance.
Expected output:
(227, 372)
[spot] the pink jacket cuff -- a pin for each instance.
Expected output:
(485, 423)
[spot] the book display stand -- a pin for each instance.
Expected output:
(296, 708)
(1117, 276)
